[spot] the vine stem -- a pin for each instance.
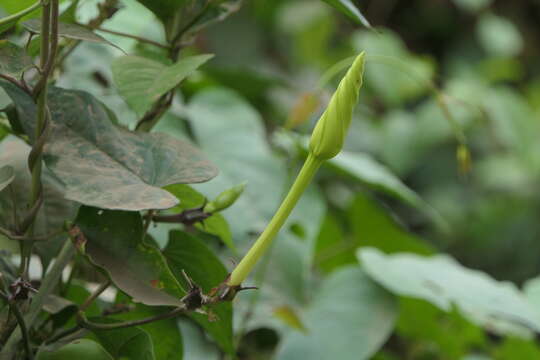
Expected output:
(49, 49)
(244, 267)
(47, 286)
(20, 14)
(22, 324)
(85, 323)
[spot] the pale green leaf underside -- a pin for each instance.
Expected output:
(497, 306)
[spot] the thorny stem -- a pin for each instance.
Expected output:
(245, 266)
(22, 324)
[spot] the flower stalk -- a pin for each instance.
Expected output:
(326, 142)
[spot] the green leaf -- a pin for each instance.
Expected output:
(7, 174)
(374, 227)
(191, 199)
(531, 288)
(513, 348)
(60, 309)
(13, 59)
(114, 242)
(350, 318)
(18, 10)
(106, 166)
(131, 343)
(143, 81)
(55, 209)
(473, 6)
(365, 169)
(69, 31)
(185, 252)
(427, 327)
(348, 8)
(167, 8)
(370, 225)
(165, 334)
(82, 349)
(497, 306)
(499, 36)
(190, 15)
(225, 127)
(69, 15)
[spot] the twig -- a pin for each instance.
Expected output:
(16, 82)
(95, 295)
(85, 323)
(130, 36)
(12, 236)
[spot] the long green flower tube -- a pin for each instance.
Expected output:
(326, 142)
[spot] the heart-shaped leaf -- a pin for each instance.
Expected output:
(142, 81)
(13, 59)
(350, 318)
(498, 306)
(106, 166)
(114, 242)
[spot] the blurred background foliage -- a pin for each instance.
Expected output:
(443, 155)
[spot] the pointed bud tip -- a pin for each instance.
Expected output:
(331, 129)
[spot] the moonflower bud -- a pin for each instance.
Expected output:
(326, 142)
(329, 133)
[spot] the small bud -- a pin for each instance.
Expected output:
(225, 199)
(464, 159)
(329, 133)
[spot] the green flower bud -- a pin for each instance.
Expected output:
(225, 199)
(329, 133)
